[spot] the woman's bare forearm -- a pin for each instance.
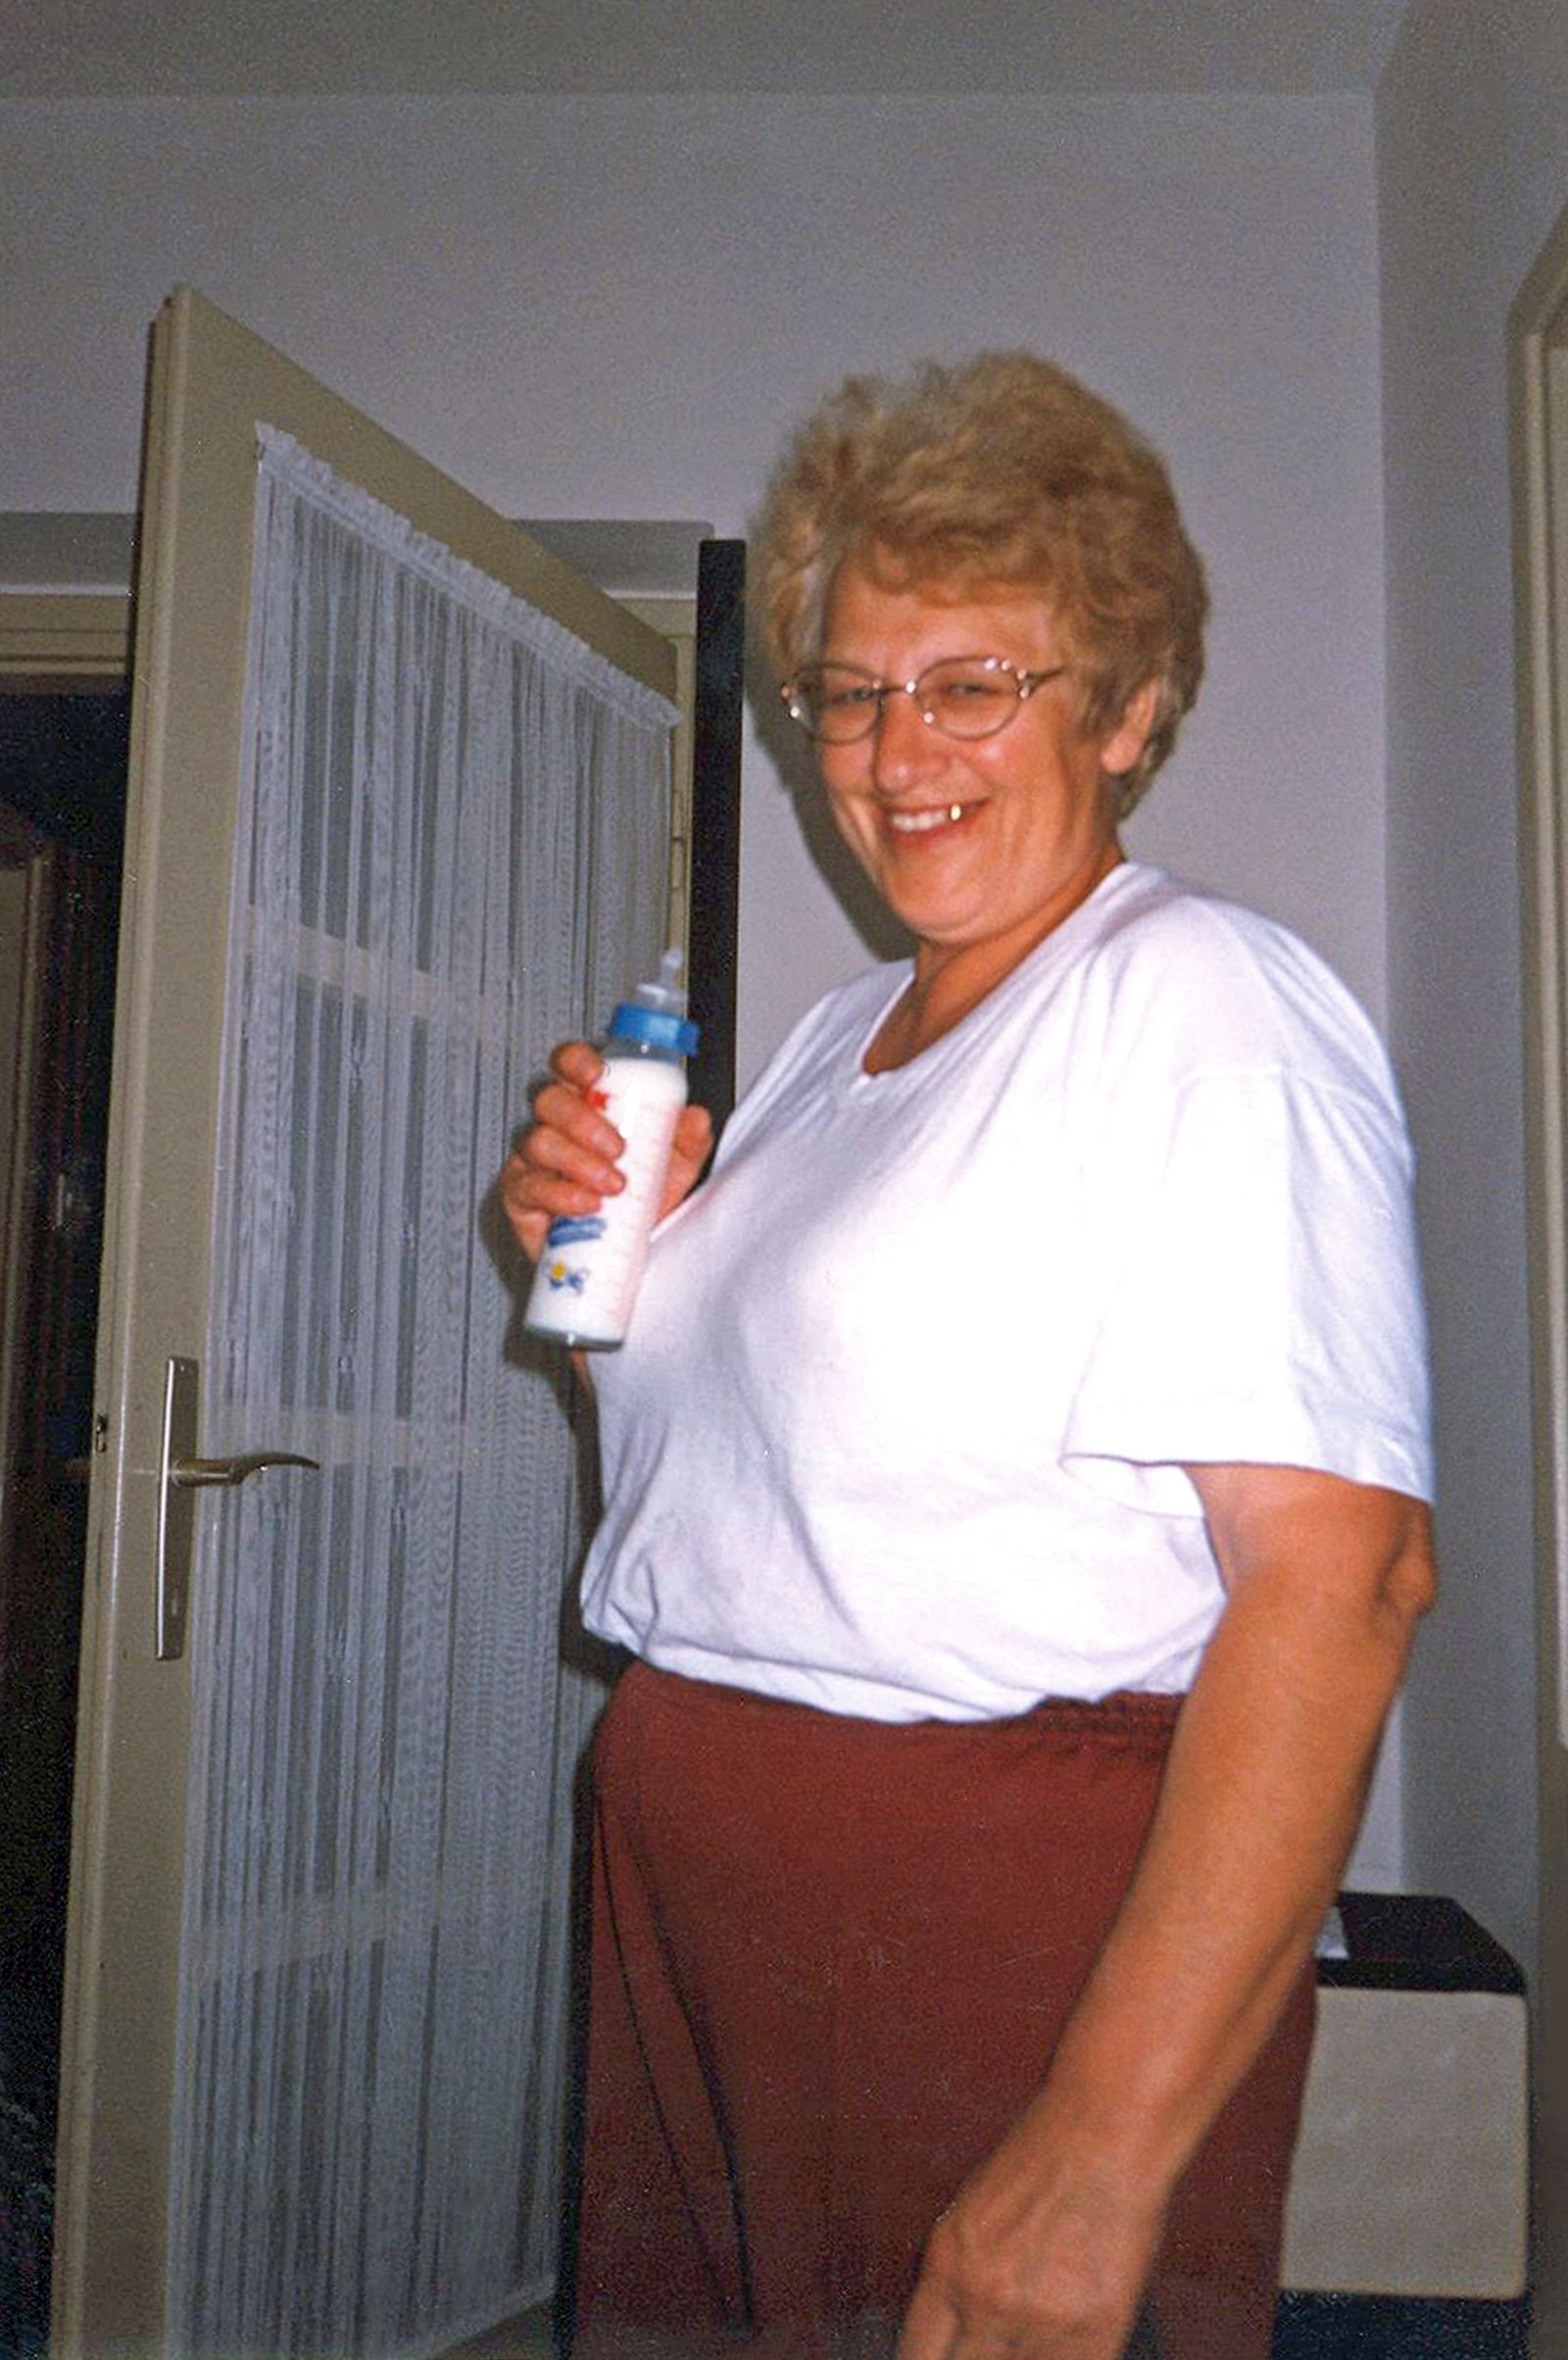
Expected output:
(1053, 2239)
(1262, 1801)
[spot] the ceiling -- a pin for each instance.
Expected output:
(55, 48)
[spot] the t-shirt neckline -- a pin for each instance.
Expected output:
(1051, 946)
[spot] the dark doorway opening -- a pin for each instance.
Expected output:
(62, 814)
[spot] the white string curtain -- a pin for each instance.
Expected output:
(452, 850)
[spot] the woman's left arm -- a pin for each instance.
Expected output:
(1046, 2249)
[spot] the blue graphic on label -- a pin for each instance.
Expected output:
(574, 1229)
(569, 1229)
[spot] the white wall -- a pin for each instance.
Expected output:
(615, 305)
(611, 306)
(1473, 130)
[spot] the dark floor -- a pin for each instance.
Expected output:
(1345, 2327)
(28, 2034)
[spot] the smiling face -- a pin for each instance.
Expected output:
(980, 845)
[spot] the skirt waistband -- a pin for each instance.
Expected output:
(1135, 1719)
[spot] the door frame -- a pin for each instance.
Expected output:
(63, 639)
(1537, 356)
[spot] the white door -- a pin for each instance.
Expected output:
(212, 385)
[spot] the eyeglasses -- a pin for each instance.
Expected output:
(963, 696)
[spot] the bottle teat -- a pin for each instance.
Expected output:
(668, 993)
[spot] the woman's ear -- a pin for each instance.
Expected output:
(1130, 735)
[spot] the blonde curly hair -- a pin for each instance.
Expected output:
(1003, 471)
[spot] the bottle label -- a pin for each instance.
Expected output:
(558, 1274)
(592, 1264)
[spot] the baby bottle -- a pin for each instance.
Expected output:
(592, 1264)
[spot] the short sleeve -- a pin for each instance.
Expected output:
(1261, 1293)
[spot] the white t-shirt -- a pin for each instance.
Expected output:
(900, 1425)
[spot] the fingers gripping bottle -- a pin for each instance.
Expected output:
(592, 1264)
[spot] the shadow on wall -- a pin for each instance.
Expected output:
(789, 750)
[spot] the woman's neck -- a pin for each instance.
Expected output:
(950, 980)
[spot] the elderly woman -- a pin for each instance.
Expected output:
(1013, 1486)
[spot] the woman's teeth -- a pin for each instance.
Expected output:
(916, 823)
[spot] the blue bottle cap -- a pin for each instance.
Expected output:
(660, 1028)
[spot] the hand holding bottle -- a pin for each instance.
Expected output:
(566, 1161)
(593, 1254)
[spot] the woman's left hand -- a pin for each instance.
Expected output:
(1044, 2255)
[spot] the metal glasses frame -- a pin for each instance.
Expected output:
(867, 716)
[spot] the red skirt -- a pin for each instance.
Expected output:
(832, 1959)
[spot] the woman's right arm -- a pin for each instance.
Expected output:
(565, 1162)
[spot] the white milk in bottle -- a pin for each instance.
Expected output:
(592, 1264)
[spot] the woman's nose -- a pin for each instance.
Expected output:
(904, 744)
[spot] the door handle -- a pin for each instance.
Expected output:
(205, 1474)
(180, 1475)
